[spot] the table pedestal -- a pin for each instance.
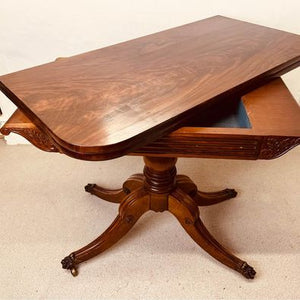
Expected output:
(159, 189)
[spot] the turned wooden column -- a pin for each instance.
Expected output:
(160, 180)
(159, 189)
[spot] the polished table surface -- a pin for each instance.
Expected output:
(206, 89)
(109, 102)
(263, 124)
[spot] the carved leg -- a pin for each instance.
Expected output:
(131, 209)
(183, 207)
(203, 198)
(133, 182)
(159, 189)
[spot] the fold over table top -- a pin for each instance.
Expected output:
(112, 100)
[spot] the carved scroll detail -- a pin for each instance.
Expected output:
(34, 136)
(273, 147)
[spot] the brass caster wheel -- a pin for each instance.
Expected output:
(74, 272)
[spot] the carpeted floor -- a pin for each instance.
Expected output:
(45, 214)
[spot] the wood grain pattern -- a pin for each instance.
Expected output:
(184, 208)
(161, 191)
(275, 119)
(131, 209)
(132, 183)
(273, 112)
(114, 100)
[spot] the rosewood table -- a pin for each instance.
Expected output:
(206, 89)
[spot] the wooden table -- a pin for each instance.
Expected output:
(206, 89)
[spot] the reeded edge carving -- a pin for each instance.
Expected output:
(203, 145)
(273, 147)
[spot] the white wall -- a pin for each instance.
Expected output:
(33, 32)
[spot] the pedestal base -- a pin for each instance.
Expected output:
(159, 189)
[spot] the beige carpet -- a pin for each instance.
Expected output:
(45, 214)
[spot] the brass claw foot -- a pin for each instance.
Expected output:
(247, 271)
(69, 263)
(114, 196)
(232, 193)
(131, 209)
(183, 207)
(159, 189)
(206, 199)
(89, 187)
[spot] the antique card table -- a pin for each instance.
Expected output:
(206, 89)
